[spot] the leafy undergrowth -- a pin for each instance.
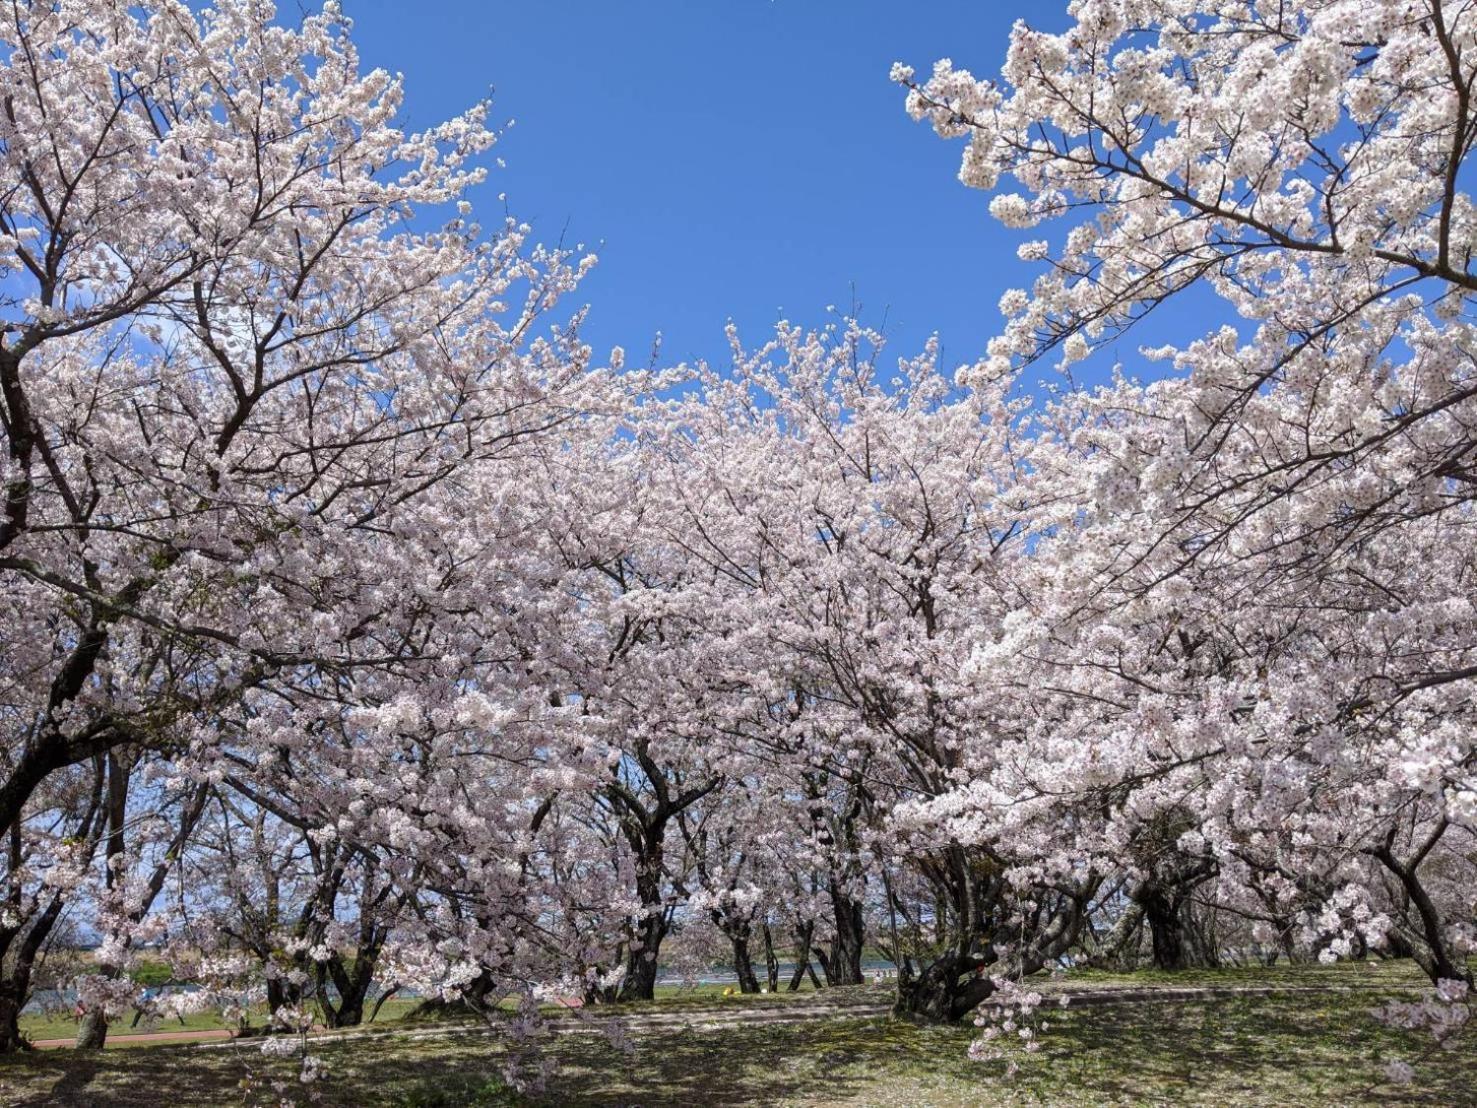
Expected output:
(1307, 1049)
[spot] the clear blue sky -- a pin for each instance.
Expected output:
(740, 159)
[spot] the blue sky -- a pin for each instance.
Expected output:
(744, 159)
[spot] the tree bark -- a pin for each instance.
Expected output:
(641, 960)
(947, 990)
(743, 965)
(803, 932)
(1162, 914)
(1119, 949)
(771, 962)
(352, 985)
(11, 1001)
(844, 967)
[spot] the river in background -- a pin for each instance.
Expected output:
(724, 975)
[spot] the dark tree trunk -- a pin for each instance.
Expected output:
(640, 979)
(1177, 942)
(641, 960)
(771, 962)
(1166, 931)
(803, 932)
(280, 993)
(824, 959)
(743, 964)
(352, 985)
(473, 999)
(348, 1013)
(1204, 943)
(1433, 954)
(601, 994)
(15, 987)
(959, 977)
(946, 990)
(844, 967)
(11, 1001)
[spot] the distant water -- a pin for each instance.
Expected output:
(723, 975)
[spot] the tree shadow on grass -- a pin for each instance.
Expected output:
(1223, 1051)
(172, 1076)
(1229, 1051)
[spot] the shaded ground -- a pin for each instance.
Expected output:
(1312, 1044)
(57, 1026)
(60, 1025)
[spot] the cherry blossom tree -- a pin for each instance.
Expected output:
(862, 529)
(1252, 632)
(237, 356)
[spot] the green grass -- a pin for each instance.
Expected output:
(1305, 1049)
(61, 1024)
(1342, 974)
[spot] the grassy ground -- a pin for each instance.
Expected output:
(63, 1025)
(1307, 1049)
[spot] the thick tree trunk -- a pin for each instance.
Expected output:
(946, 991)
(348, 1013)
(771, 962)
(743, 965)
(473, 999)
(803, 932)
(15, 987)
(825, 960)
(352, 987)
(1119, 949)
(1204, 944)
(641, 960)
(640, 979)
(1165, 928)
(960, 977)
(844, 967)
(280, 993)
(1176, 941)
(11, 1000)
